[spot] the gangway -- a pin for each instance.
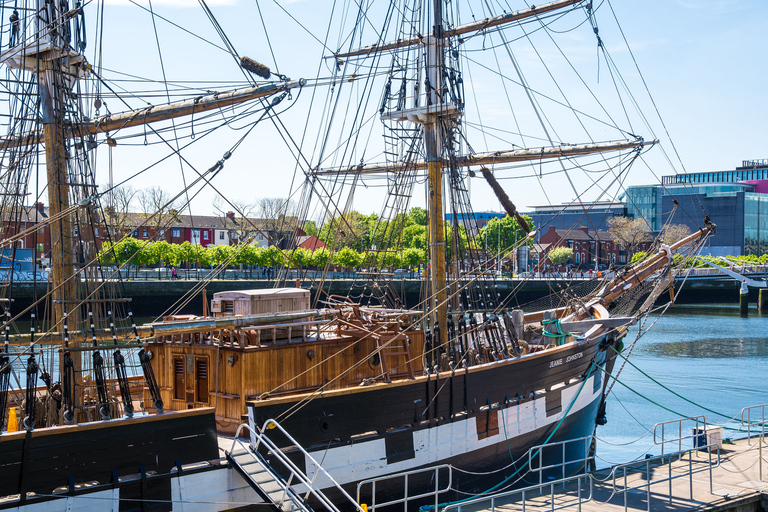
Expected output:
(279, 492)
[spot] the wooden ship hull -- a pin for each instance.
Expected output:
(369, 406)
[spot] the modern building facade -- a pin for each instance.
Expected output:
(735, 200)
(480, 219)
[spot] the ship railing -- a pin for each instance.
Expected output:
(666, 432)
(755, 417)
(645, 471)
(259, 438)
(403, 480)
(537, 455)
(581, 489)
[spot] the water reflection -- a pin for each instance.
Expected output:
(710, 348)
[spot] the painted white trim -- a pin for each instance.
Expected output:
(368, 459)
(215, 490)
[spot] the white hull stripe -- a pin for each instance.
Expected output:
(368, 459)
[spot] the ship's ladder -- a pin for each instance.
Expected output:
(391, 347)
(278, 491)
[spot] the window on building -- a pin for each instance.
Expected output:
(95, 231)
(201, 377)
(221, 235)
(179, 386)
(205, 235)
(175, 233)
(144, 233)
(76, 231)
(196, 234)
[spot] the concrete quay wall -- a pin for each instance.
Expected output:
(150, 296)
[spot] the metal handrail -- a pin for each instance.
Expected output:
(302, 478)
(699, 420)
(539, 456)
(534, 488)
(405, 475)
(761, 423)
(661, 460)
(749, 422)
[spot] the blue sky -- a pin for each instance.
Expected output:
(702, 61)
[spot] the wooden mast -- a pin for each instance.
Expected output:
(434, 146)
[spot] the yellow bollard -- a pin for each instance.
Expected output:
(13, 422)
(364, 507)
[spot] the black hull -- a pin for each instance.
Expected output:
(400, 412)
(136, 455)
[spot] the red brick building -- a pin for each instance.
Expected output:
(588, 247)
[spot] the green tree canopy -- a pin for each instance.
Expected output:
(503, 229)
(560, 255)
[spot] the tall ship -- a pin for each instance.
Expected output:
(358, 386)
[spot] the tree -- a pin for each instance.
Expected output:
(560, 255)
(348, 230)
(412, 256)
(506, 230)
(273, 257)
(186, 253)
(275, 218)
(638, 256)
(628, 232)
(310, 228)
(299, 257)
(117, 212)
(674, 233)
(414, 236)
(347, 258)
(320, 257)
(220, 254)
(157, 208)
(418, 216)
(237, 217)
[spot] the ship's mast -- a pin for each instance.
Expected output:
(433, 145)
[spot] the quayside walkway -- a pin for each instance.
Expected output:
(728, 478)
(695, 470)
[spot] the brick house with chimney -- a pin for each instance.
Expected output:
(588, 247)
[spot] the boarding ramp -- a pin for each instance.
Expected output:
(264, 476)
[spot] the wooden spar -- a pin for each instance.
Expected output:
(463, 29)
(499, 157)
(159, 113)
(186, 326)
(184, 108)
(621, 284)
(231, 322)
(625, 282)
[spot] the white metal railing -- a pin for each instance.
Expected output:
(503, 499)
(749, 422)
(698, 422)
(405, 477)
(538, 454)
(754, 416)
(644, 467)
(297, 474)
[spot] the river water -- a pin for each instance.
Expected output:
(707, 354)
